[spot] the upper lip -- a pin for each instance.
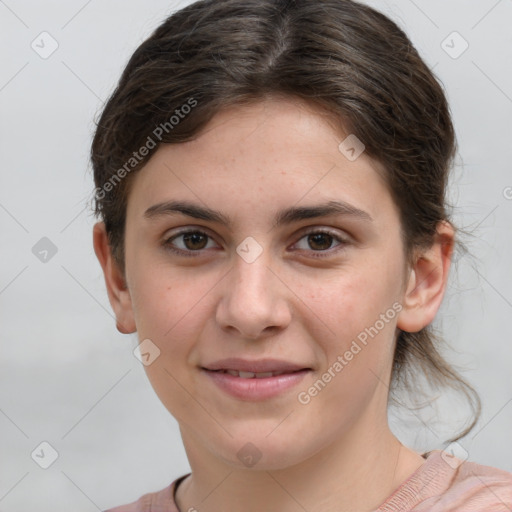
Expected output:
(256, 366)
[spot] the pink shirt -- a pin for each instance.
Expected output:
(441, 484)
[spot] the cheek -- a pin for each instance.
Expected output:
(169, 312)
(360, 309)
(162, 302)
(357, 355)
(172, 310)
(350, 300)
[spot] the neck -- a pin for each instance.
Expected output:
(358, 472)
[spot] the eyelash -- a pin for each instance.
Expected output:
(317, 254)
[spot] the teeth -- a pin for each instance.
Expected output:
(264, 374)
(251, 375)
(246, 375)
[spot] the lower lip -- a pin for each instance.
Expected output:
(255, 389)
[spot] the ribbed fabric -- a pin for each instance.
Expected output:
(441, 484)
(450, 485)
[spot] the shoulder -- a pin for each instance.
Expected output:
(478, 487)
(144, 503)
(159, 501)
(457, 485)
(446, 483)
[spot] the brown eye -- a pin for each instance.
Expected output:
(192, 241)
(321, 242)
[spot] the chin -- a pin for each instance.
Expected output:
(262, 453)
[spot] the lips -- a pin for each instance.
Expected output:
(255, 380)
(254, 387)
(252, 375)
(248, 369)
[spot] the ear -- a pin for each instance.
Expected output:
(118, 293)
(427, 281)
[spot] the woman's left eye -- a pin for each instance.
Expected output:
(319, 241)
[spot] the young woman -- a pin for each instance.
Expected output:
(271, 181)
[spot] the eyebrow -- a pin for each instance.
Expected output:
(283, 217)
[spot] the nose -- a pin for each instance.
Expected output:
(254, 300)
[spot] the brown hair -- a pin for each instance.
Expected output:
(348, 59)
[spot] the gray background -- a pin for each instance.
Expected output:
(70, 379)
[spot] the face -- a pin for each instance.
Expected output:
(321, 292)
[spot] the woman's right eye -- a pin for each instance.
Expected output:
(193, 241)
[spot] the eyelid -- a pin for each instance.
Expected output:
(334, 232)
(189, 228)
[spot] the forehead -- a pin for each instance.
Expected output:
(273, 151)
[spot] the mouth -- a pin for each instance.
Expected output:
(255, 385)
(246, 367)
(254, 375)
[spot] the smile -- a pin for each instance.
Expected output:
(250, 386)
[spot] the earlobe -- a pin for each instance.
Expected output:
(117, 290)
(427, 282)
